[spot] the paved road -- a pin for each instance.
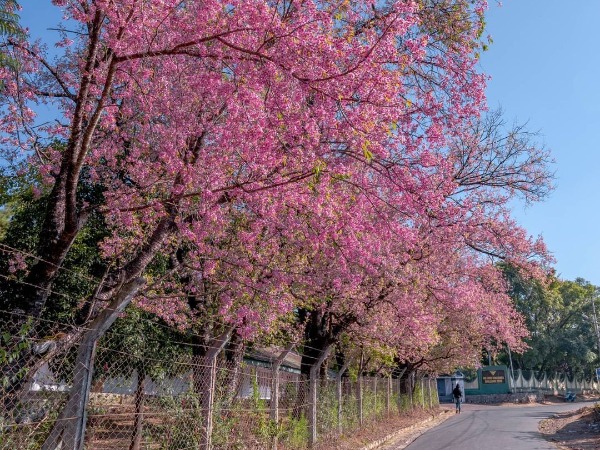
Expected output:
(481, 427)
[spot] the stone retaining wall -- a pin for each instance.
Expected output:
(521, 397)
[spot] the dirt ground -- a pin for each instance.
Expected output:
(580, 398)
(574, 430)
(399, 429)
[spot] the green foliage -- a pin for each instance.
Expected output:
(296, 433)
(373, 402)
(327, 410)
(419, 397)
(182, 427)
(5, 214)
(9, 20)
(558, 315)
(13, 346)
(26, 436)
(151, 348)
(404, 402)
(81, 270)
(10, 28)
(266, 428)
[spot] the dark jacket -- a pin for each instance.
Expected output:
(457, 392)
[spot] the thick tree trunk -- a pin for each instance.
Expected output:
(59, 230)
(317, 337)
(316, 340)
(123, 280)
(234, 355)
(399, 383)
(69, 429)
(64, 218)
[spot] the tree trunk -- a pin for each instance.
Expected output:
(234, 356)
(136, 437)
(316, 338)
(318, 335)
(126, 280)
(55, 242)
(69, 429)
(399, 397)
(63, 219)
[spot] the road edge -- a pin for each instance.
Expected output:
(396, 437)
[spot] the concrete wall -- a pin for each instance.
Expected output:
(492, 380)
(522, 397)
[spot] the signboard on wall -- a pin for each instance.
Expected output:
(493, 376)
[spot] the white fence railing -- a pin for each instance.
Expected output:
(529, 380)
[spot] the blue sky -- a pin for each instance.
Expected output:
(545, 70)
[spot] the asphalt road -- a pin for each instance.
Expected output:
(481, 427)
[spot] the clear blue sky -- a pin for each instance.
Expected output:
(545, 69)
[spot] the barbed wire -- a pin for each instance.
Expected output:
(112, 333)
(154, 323)
(84, 300)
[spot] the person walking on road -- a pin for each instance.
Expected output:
(457, 393)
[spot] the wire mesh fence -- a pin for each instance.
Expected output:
(57, 389)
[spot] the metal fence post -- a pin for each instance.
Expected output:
(360, 389)
(359, 393)
(136, 438)
(68, 431)
(208, 399)
(410, 390)
(314, 378)
(387, 395)
(375, 383)
(429, 392)
(275, 381)
(338, 383)
(399, 390)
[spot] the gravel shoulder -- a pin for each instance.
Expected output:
(403, 438)
(389, 433)
(574, 430)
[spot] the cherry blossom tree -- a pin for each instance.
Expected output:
(330, 140)
(292, 89)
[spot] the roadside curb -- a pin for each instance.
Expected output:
(396, 434)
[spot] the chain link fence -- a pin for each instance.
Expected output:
(59, 390)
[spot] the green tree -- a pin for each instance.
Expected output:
(557, 314)
(9, 28)
(139, 343)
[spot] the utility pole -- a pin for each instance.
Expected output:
(512, 371)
